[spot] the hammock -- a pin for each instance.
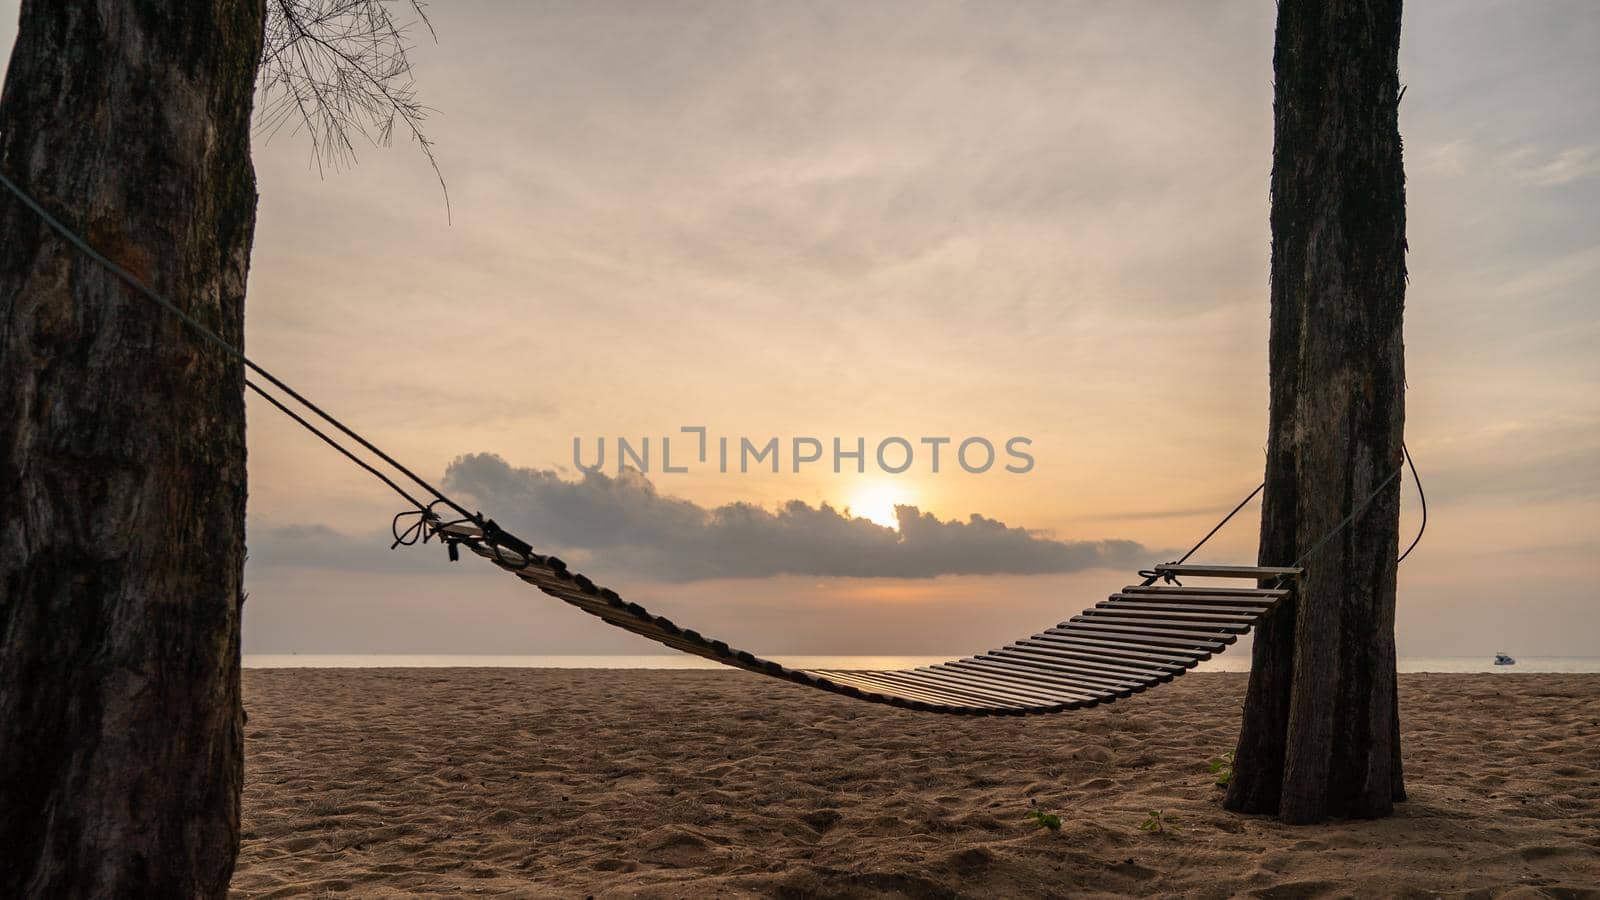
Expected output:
(1142, 636)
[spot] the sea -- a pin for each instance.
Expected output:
(1240, 663)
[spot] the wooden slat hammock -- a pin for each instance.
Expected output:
(1142, 636)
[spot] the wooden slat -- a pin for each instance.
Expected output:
(1039, 694)
(1064, 675)
(969, 697)
(1250, 604)
(1175, 620)
(1080, 663)
(1057, 679)
(1121, 647)
(842, 678)
(855, 680)
(1064, 657)
(852, 691)
(1258, 572)
(645, 630)
(1172, 631)
(1184, 611)
(1154, 635)
(1076, 660)
(898, 688)
(1166, 628)
(650, 629)
(1051, 692)
(944, 701)
(1211, 642)
(463, 530)
(978, 692)
(679, 642)
(1205, 590)
(505, 558)
(1240, 613)
(870, 681)
(1187, 628)
(980, 686)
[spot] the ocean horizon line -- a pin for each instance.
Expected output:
(1238, 663)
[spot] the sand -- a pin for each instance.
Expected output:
(568, 783)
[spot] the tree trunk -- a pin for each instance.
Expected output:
(122, 455)
(1321, 721)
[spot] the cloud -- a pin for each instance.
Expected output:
(625, 525)
(1569, 165)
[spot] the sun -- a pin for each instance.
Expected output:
(875, 502)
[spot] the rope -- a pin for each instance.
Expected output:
(77, 241)
(427, 526)
(1150, 576)
(335, 444)
(1343, 523)
(1421, 498)
(1218, 527)
(1367, 502)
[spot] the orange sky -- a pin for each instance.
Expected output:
(1036, 219)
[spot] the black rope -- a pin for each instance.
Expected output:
(1421, 498)
(1151, 576)
(416, 532)
(427, 526)
(1218, 527)
(1343, 523)
(83, 245)
(335, 445)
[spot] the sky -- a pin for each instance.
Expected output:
(1037, 221)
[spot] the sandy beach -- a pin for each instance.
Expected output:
(568, 783)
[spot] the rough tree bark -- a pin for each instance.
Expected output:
(122, 447)
(1321, 720)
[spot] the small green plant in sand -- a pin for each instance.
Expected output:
(1222, 767)
(1042, 819)
(1158, 822)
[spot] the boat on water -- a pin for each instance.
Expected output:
(1502, 659)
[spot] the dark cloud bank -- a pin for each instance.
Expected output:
(626, 525)
(623, 525)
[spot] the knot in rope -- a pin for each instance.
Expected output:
(419, 531)
(1151, 576)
